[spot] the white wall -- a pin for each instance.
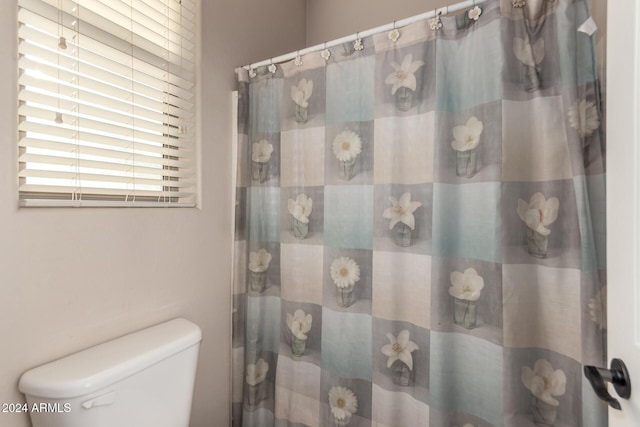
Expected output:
(331, 19)
(68, 279)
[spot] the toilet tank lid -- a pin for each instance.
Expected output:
(105, 364)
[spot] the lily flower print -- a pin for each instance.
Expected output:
(400, 349)
(300, 208)
(539, 212)
(302, 92)
(258, 266)
(257, 373)
(401, 211)
(299, 324)
(261, 151)
(467, 137)
(543, 382)
(583, 117)
(259, 261)
(343, 403)
(260, 155)
(403, 75)
(345, 272)
(466, 286)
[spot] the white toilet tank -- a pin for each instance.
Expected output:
(144, 379)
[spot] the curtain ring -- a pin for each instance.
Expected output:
(272, 68)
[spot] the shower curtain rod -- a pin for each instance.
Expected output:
(396, 24)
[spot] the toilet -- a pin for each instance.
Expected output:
(144, 379)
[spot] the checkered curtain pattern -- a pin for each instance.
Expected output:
(420, 227)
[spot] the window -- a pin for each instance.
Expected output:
(106, 102)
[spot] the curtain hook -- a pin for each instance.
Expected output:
(394, 34)
(357, 45)
(272, 68)
(298, 60)
(435, 24)
(252, 71)
(475, 12)
(326, 53)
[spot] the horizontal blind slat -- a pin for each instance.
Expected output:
(34, 173)
(46, 107)
(28, 188)
(40, 29)
(92, 17)
(86, 202)
(84, 124)
(153, 108)
(182, 65)
(123, 154)
(57, 102)
(159, 32)
(176, 19)
(110, 84)
(70, 133)
(94, 165)
(185, 8)
(181, 18)
(44, 45)
(181, 12)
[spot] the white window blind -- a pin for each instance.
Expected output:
(106, 102)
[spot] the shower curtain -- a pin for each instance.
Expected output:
(420, 227)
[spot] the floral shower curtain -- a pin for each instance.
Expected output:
(420, 227)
